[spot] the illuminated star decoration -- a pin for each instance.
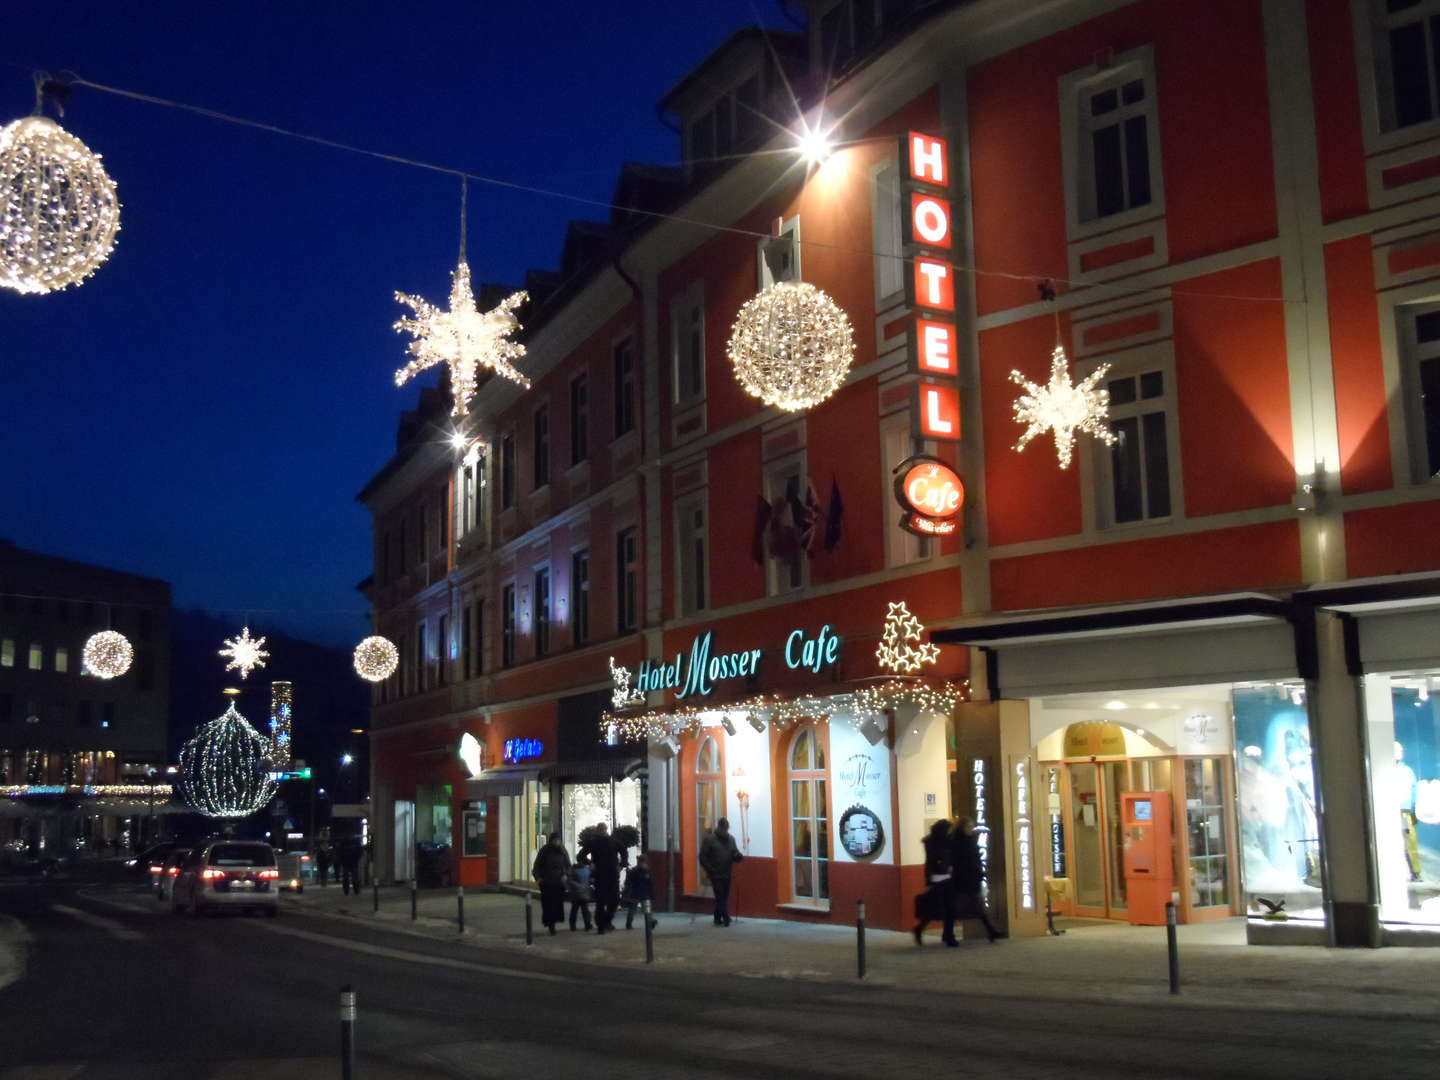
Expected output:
(895, 652)
(245, 653)
(1063, 407)
(624, 696)
(464, 338)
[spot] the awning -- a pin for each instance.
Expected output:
(1393, 622)
(1237, 637)
(593, 771)
(502, 780)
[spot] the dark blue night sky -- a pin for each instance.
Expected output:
(205, 408)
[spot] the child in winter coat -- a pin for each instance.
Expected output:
(639, 888)
(580, 891)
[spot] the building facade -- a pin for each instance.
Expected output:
(1199, 656)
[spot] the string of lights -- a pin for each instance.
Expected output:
(224, 769)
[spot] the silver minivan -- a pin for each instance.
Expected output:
(237, 874)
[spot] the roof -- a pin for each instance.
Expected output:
(789, 45)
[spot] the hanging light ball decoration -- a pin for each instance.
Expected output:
(225, 768)
(376, 659)
(107, 655)
(58, 209)
(791, 346)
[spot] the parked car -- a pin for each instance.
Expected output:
(169, 871)
(238, 874)
(149, 862)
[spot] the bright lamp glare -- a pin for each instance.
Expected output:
(815, 145)
(457, 440)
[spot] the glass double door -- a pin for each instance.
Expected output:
(1097, 840)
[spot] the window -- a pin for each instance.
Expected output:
(885, 216)
(442, 649)
(580, 596)
(1115, 118)
(624, 388)
(469, 485)
(422, 676)
(403, 563)
(809, 820)
(1139, 460)
(779, 256)
(424, 552)
(691, 563)
(1407, 36)
(479, 637)
(902, 547)
(37, 656)
(7, 652)
(1420, 347)
(507, 471)
(467, 642)
(708, 775)
(579, 419)
(542, 612)
(507, 628)
(687, 330)
(626, 557)
(788, 529)
(62, 658)
(542, 446)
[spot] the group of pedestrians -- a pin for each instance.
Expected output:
(594, 877)
(344, 857)
(954, 879)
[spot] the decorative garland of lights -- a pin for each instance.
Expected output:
(107, 655)
(376, 659)
(1063, 407)
(689, 719)
(895, 653)
(623, 696)
(282, 704)
(58, 210)
(94, 791)
(245, 653)
(791, 346)
(225, 768)
(873, 701)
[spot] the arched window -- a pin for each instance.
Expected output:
(708, 774)
(809, 819)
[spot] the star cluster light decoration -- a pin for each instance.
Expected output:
(245, 653)
(624, 696)
(1063, 407)
(895, 652)
(464, 338)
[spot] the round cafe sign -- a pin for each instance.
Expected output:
(931, 494)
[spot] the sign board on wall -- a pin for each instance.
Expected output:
(694, 674)
(929, 232)
(860, 784)
(931, 494)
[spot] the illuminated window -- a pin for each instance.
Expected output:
(1406, 37)
(624, 359)
(1419, 337)
(62, 658)
(579, 419)
(687, 332)
(708, 775)
(37, 656)
(580, 597)
(692, 566)
(7, 652)
(627, 558)
(809, 819)
(507, 626)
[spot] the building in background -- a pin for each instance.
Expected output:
(1202, 655)
(82, 759)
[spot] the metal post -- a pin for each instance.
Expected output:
(649, 935)
(375, 889)
(414, 897)
(347, 1032)
(1170, 943)
(860, 938)
(460, 906)
(529, 922)
(1050, 916)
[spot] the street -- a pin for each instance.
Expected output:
(116, 987)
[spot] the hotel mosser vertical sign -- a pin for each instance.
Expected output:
(930, 284)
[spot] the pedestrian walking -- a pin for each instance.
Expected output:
(935, 902)
(551, 868)
(600, 849)
(322, 860)
(718, 856)
(349, 853)
(967, 876)
(639, 888)
(580, 891)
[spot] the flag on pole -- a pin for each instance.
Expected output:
(834, 516)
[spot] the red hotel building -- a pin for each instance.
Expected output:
(1201, 658)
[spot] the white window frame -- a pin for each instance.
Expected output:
(1076, 89)
(686, 310)
(777, 258)
(469, 491)
(887, 229)
(627, 343)
(818, 773)
(1372, 39)
(1100, 484)
(1410, 354)
(778, 574)
(686, 507)
(715, 780)
(897, 442)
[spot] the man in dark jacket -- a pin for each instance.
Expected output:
(552, 863)
(350, 864)
(599, 847)
(718, 856)
(967, 876)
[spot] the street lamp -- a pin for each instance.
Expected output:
(151, 828)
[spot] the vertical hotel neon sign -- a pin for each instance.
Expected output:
(930, 284)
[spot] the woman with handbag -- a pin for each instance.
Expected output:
(934, 903)
(967, 879)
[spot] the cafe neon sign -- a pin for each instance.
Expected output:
(931, 494)
(695, 674)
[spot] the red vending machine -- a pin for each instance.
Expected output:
(1149, 855)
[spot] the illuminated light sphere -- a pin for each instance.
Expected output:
(245, 653)
(376, 659)
(1063, 407)
(58, 209)
(464, 338)
(225, 768)
(107, 655)
(791, 346)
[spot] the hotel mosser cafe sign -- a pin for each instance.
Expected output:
(694, 674)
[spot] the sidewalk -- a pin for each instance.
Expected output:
(1096, 961)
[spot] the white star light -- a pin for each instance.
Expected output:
(245, 653)
(895, 652)
(623, 697)
(1063, 407)
(464, 338)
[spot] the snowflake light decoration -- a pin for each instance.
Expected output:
(225, 769)
(791, 346)
(895, 652)
(624, 696)
(376, 659)
(464, 337)
(245, 653)
(1063, 407)
(107, 655)
(58, 210)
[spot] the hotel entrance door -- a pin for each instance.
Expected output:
(1095, 838)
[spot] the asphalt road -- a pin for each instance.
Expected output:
(117, 988)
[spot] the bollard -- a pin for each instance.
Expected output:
(860, 938)
(529, 922)
(460, 906)
(375, 889)
(649, 934)
(1050, 917)
(1174, 950)
(347, 1032)
(414, 898)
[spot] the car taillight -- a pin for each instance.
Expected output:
(173, 871)
(211, 874)
(155, 869)
(270, 875)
